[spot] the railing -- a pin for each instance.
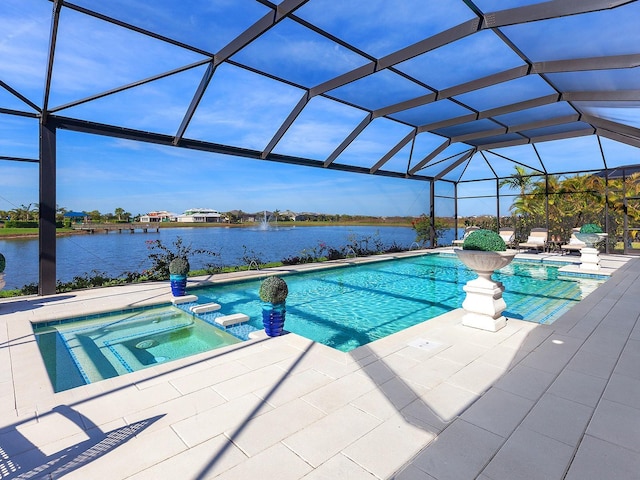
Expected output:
(119, 227)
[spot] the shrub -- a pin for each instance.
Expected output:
(3, 263)
(20, 224)
(273, 290)
(179, 266)
(485, 240)
(590, 228)
(161, 255)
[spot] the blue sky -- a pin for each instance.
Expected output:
(245, 110)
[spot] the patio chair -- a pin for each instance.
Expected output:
(537, 240)
(574, 244)
(467, 231)
(508, 234)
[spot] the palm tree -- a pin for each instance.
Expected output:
(119, 212)
(520, 180)
(22, 213)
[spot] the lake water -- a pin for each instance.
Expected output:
(116, 253)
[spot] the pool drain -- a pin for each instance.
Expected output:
(144, 344)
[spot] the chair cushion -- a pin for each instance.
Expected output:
(535, 240)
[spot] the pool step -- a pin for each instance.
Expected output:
(184, 299)
(233, 319)
(205, 307)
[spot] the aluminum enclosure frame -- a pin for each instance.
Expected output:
(439, 164)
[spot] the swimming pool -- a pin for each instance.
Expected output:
(350, 306)
(343, 307)
(77, 352)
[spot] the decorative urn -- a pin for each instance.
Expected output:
(590, 234)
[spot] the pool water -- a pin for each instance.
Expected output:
(347, 307)
(86, 351)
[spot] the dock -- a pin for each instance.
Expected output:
(117, 227)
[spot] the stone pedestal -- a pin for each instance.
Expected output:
(590, 256)
(589, 259)
(484, 304)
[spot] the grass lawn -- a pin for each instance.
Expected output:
(20, 232)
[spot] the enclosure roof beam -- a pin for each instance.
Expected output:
(347, 141)
(455, 164)
(389, 155)
(621, 128)
(440, 39)
(293, 115)
(421, 164)
(84, 126)
(547, 10)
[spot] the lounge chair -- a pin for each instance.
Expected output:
(467, 231)
(537, 239)
(574, 244)
(508, 234)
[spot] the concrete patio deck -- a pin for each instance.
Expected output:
(436, 401)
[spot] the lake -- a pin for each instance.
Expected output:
(116, 253)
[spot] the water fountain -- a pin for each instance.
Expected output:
(264, 223)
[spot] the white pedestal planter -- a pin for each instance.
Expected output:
(589, 259)
(2, 282)
(590, 256)
(484, 304)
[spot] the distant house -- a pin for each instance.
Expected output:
(201, 215)
(159, 216)
(306, 216)
(76, 217)
(288, 214)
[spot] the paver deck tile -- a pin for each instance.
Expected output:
(339, 467)
(600, 459)
(388, 447)
(558, 418)
(330, 435)
(273, 426)
(460, 451)
(528, 455)
(216, 455)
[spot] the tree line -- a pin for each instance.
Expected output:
(572, 201)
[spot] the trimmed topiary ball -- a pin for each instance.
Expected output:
(3, 263)
(484, 240)
(273, 290)
(590, 228)
(179, 266)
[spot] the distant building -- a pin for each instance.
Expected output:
(201, 215)
(159, 216)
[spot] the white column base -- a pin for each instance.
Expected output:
(589, 259)
(483, 322)
(484, 305)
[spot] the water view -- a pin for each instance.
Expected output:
(116, 253)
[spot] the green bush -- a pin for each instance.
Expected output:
(3, 263)
(485, 240)
(179, 266)
(590, 228)
(273, 290)
(20, 224)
